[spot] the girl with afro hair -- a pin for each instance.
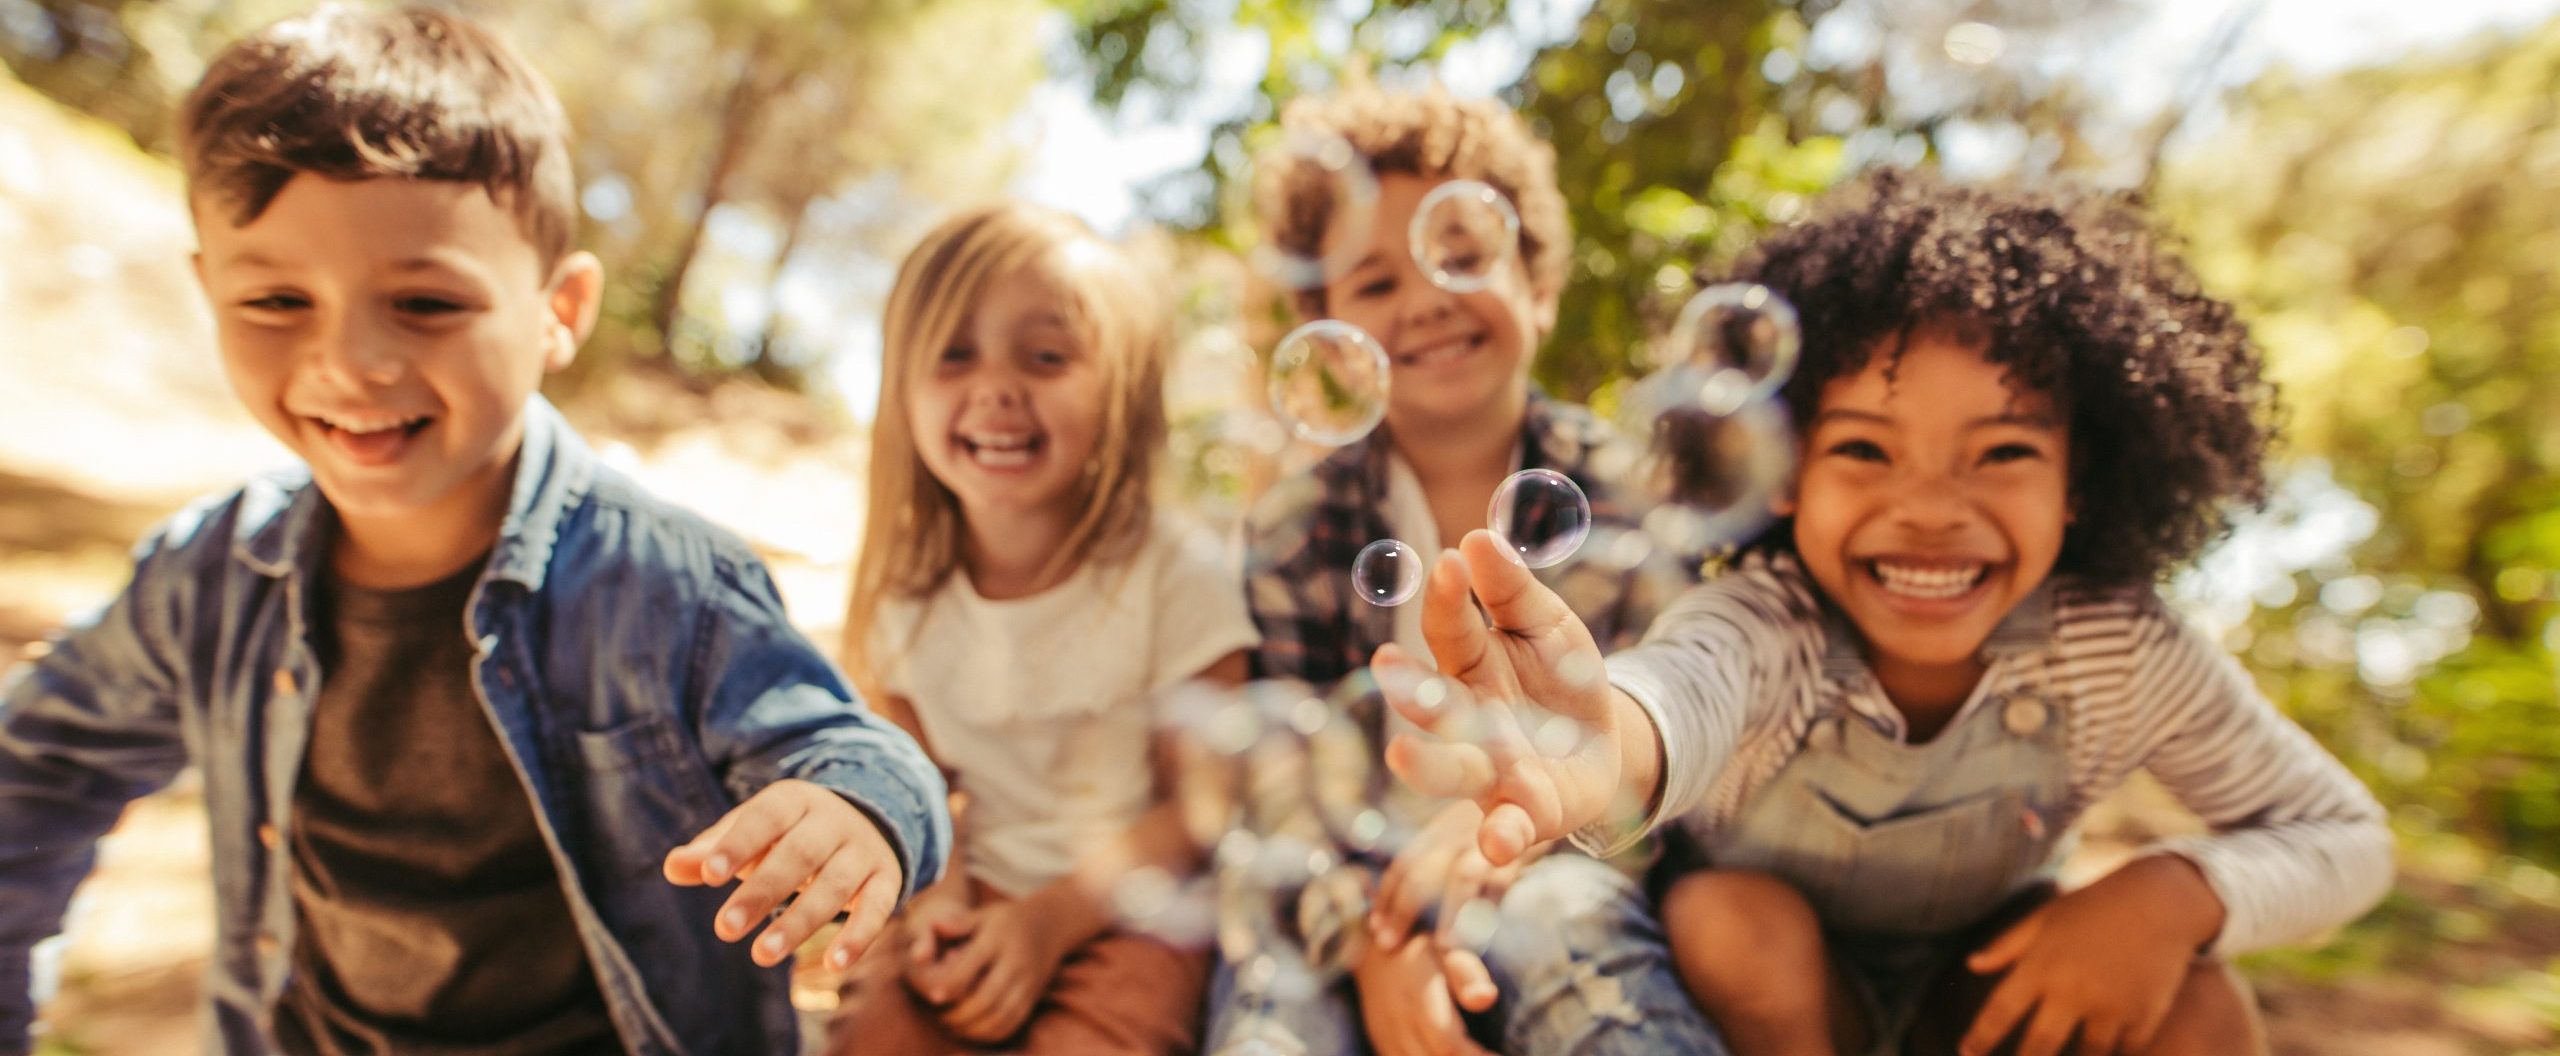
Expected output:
(1869, 740)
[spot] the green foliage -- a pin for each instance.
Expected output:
(2394, 237)
(682, 108)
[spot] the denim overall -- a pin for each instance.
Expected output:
(1904, 848)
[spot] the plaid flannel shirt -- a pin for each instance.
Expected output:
(1304, 534)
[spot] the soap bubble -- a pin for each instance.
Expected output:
(1734, 343)
(1326, 168)
(1387, 573)
(1708, 478)
(1541, 515)
(1461, 233)
(1328, 381)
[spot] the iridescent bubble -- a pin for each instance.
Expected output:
(1330, 913)
(1321, 171)
(1734, 343)
(1386, 573)
(1328, 382)
(1153, 902)
(1708, 478)
(1541, 514)
(1461, 233)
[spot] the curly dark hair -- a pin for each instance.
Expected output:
(2076, 296)
(1427, 133)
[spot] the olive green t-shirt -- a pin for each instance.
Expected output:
(430, 918)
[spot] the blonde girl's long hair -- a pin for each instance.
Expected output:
(912, 538)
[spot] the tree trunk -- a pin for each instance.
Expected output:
(740, 115)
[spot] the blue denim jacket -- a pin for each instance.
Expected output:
(636, 663)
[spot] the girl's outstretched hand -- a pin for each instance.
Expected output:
(1520, 719)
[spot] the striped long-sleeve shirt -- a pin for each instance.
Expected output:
(1736, 671)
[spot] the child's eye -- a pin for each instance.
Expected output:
(955, 354)
(1374, 288)
(1861, 450)
(423, 305)
(277, 302)
(2011, 453)
(1050, 357)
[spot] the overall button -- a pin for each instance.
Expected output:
(286, 685)
(1825, 735)
(267, 836)
(2025, 715)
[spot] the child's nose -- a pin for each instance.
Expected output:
(1424, 302)
(1930, 502)
(1001, 392)
(358, 355)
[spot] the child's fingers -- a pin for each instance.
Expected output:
(1507, 833)
(2048, 1032)
(866, 920)
(2001, 1013)
(2005, 949)
(683, 865)
(2098, 1035)
(1403, 892)
(1470, 982)
(1513, 599)
(975, 1015)
(742, 835)
(1440, 769)
(826, 893)
(963, 969)
(1451, 626)
(1443, 706)
(785, 867)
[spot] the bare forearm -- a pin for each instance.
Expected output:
(2176, 894)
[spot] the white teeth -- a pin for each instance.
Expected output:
(1001, 450)
(361, 426)
(1438, 353)
(1928, 582)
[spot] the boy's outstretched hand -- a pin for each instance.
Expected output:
(795, 836)
(1521, 718)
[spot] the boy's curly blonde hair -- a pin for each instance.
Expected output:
(1428, 134)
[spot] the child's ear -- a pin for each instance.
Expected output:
(1543, 312)
(577, 295)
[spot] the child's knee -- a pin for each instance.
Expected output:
(2214, 1013)
(1730, 909)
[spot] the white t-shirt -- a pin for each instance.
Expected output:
(1043, 707)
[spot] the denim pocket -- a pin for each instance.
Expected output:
(647, 790)
(1926, 872)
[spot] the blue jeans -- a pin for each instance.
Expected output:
(1579, 957)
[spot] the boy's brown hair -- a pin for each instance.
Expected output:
(345, 93)
(1428, 134)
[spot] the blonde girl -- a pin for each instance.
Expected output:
(1018, 602)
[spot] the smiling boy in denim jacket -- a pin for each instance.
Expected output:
(483, 727)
